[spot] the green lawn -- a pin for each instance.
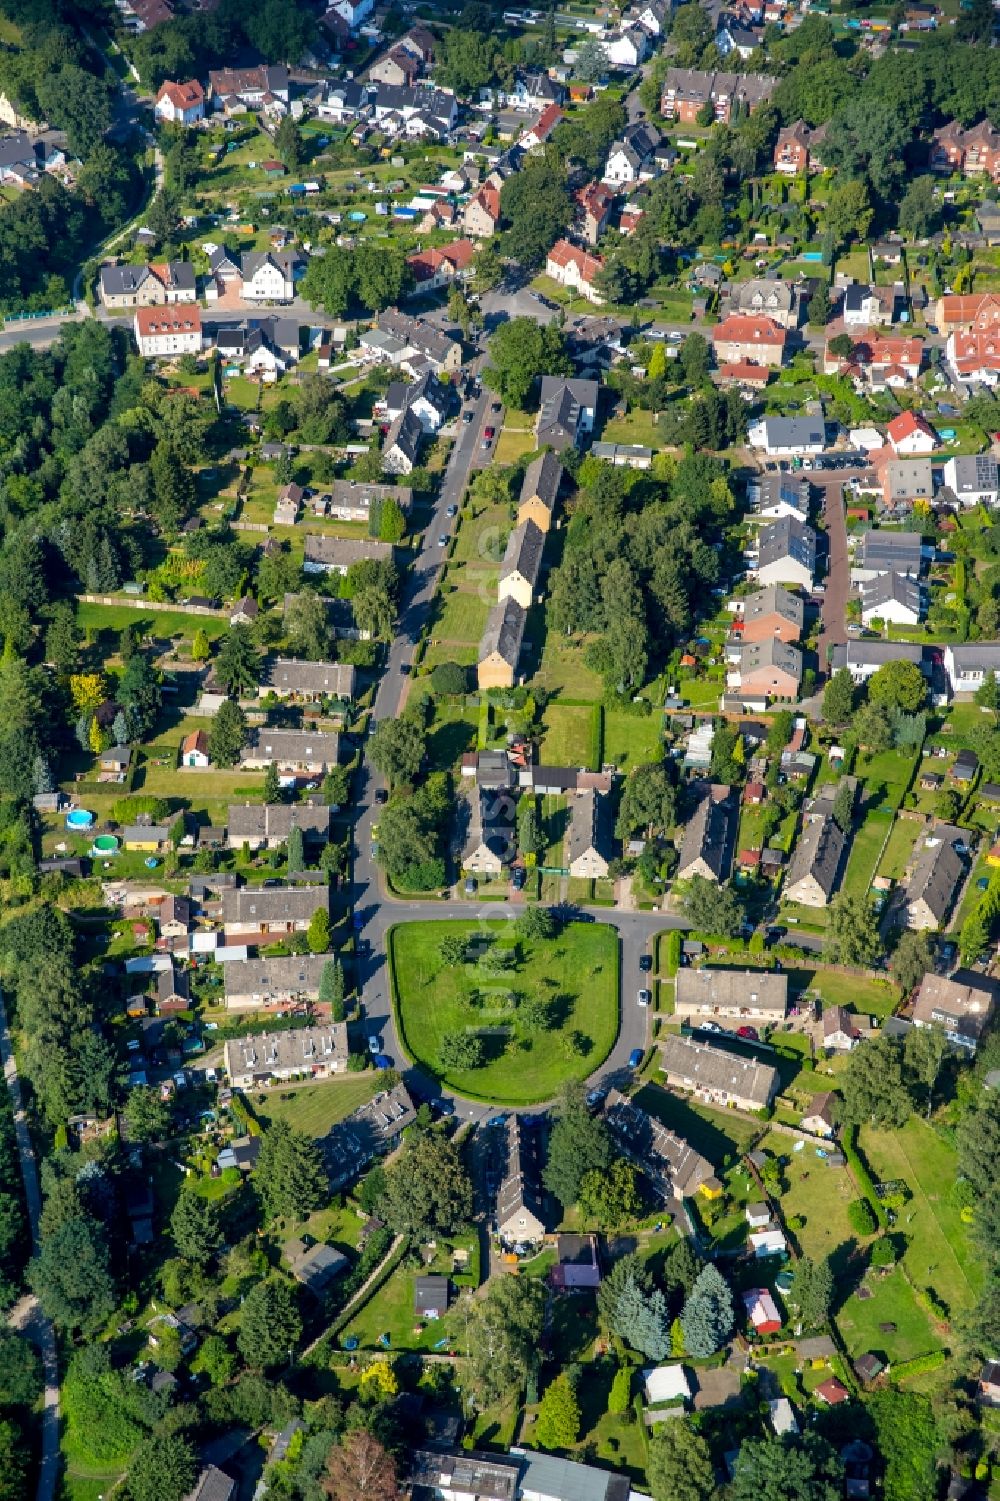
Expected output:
(314, 1108)
(892, 1302)
(162, 623)
(897, 852)
(563, 670)
(566, 737)
(818, 1193)
(462, 617)
(866, 847)
(631, 741)
(886, 776)
(390, 1312)
(870, 997)
(577, 972)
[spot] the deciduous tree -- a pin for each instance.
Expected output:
(578, 1144)
(795, 1467)
(427, 1189)
(360, 1469)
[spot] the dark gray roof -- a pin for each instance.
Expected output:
(274, 820)
(520, 1191)
(430, 1294)
(787, 538)
(405, 435)
(899, 588)
(341, 552)
(774, 600)
(126, 281)
(213, 1485)
(975, 472)
(716, 1068)
(559, 416)
(291, 675)
(885, 549)
(706, 836)
(542, 478)
(260, 904)
(504, 631)
(588, 826)
(937, 872)
(523, 554)
(818, 853)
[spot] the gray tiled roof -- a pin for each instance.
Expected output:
(263, 904)
(542, 478)
(290, 675)
(274, 820)
(715, 1068)
(523, 554)
(504, 631)
(818, 853)
(937, 872)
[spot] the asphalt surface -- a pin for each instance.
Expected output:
(27, 1315)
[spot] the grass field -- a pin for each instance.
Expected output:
(462, 618)
(892, 1303)
(314, 1108)
(896, 855)
(163, 623)
(630, 741)
(866, 848)
(566, 737)
(563, 670)
(818, 1193)
(577, 972)
(886, 776)
(938, 1253)
(390, 1313)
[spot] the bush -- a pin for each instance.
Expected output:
(673, 952)
(863, 1221)
(918, 1366)
(883, 1253)
(863, 1178)
(621, 1391)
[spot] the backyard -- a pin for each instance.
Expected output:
(314, 1108)
(576, 973)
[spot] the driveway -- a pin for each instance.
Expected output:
(833, 630)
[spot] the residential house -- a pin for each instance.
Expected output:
(910, 435)
(740, 337)
(577, 1267)
(520, 1210)
(783, 437)
(530, 92)
(786, 554)
(567, 411)
(173, 991)
(442, 265)
(194, 750)
(269, 275)
(716, 1076)
(770, 668)
(821, 1118)
(572, 267)
(595, 202)
(630, 159)
(180, 103)
(430, 1297)
(883, 551)
(245, 612)
(148, 286)
(878, 362)
(706, 849)
(481, 215)
(968, 666)
(463, 1476)
(962, 1008)
(686, 91)
(139, 16)
(773, 496)
(935, 876)
(352, 500)
(268, 825)
(540, 491)
(816, 860)
(500, 646)
(733, 35)
(288, 506)
(173, 917)
(148, 838)
(588, 838)
(973, 479)
(973, 356)
(863, 306)
(972, 153)
(536, 135)
(892, 597)
(416, 112)
(338, 101)
(398, 66)
(988, 1385)
(372, 1129)
(741, 995)
(402, 443)
(765, 297)
(213, 1484)
(309, 682)
(414, 338)
(863, 658)
(770, 614)
(283, 980)
(907, 480)
(522, 564)
(293, 752)
(164, 332)
(977, 312)
(840, 1034)
(251, 910)
(627, 48)
(236, 89)
(337, 554)
(762, 1311)
(315, 1266)
(428, 398)
(308, 1053)
(795, 152)
(489, 842)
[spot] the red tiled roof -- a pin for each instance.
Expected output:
(181, 95)
(746, 371)
(546, 122)
(975, 351)
(426, 263)
(741, 329)
(905, 425)
(182, 318)
(565, 254)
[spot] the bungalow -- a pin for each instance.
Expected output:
(288, 677)
(910, 435)
(540, 491)
(786, 554)
(758, 1216)
(315, 1266)
(706, 849)
(113, 764)
(522, 564)
(770, 614)
(279, 981)
(832, 1391)
(308, 1053)
(741, 995)
(572, 267)
(588, 836)
(891, 597)
(194, 750)
(252, 910)
(500, 646)
(149, 838)
(816, 859)
(268, 825)
(337, 554)
(937, 870)
(784, 437)
(744, 338)
(298, 752)
(769, 669)
(762, 1311)
(162, 332)
(962, 1009)
(577, 1267)
(968, 666)
(716, 1076)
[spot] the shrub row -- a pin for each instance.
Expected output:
(862, 1176)
(919, 1366)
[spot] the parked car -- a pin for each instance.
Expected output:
(382, 1062)
(489, 432)
(748, 1033)
(635, 1058)
(451, 511)
(710, 1027)
(381, 796)
(644, 997)
(374, 1043)
(645, 962)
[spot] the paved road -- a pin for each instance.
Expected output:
(27, 1315)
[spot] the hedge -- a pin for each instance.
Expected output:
(673, 959)
(595, 748)
(862, 1176)
(918, 1366)
(344, 1318)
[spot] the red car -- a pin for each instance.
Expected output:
(489, 432)
(749, 1033)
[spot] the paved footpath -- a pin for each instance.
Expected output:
(27, 1315)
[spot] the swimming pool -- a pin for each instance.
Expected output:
(105, 844)
(79, 818)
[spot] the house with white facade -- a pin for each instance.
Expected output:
(572, 267)
(165, 332)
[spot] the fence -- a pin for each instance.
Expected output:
(250, 526)
(136, 602)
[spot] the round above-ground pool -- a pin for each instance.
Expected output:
(79, 818)
(105, 844)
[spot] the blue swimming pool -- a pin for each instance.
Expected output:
(79, 818)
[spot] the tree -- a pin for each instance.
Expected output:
(621, 1391)
(164, 1469)
(987, 695)
(707, 1316)
(843, 806)
(536, 924)
(530, 838)
(379, 1380)
(194, 1225)
(71, 1276)
(794, 1467)
(694, 360)
(427, 1189)
(307, 626)
(629, 1307)
(331, 988)
(536, 206)
(679, 1466)
(898, 685)
(578, 1144)
(611, 1198)
(852, 935)
(591, 60)
(504, 1330)
(978, 1139)
(397, 747)
(648, 802)
(712, 908)
(558, 1424)
(911, 960)
(289, 1175)
(812, 1291)
(237, 665)
(270, 1323)
(460, 1052)
(140, 695)
(908, 1440)
(918, 213)
(215, 1360)
(272, 783)
(200, 648)
(838, 698)
(148, 1116)
(448, 678)
(359, 1467)
(520, 352)
(873, 1086)
(318, 931)
(873, 728)
(288, 143)
(20, 1371)
(228, 734)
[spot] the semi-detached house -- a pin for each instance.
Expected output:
(769, 614)
(749, 995)
(937, 870)
(686, 91)
(280, 980)
(522, 564)
(148, 286)
(247, 910)
(715, 1075)
(268, 825)
(572, 267)
(293, 752)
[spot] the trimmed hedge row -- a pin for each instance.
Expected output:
(862, 1176)
(918, 1366)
